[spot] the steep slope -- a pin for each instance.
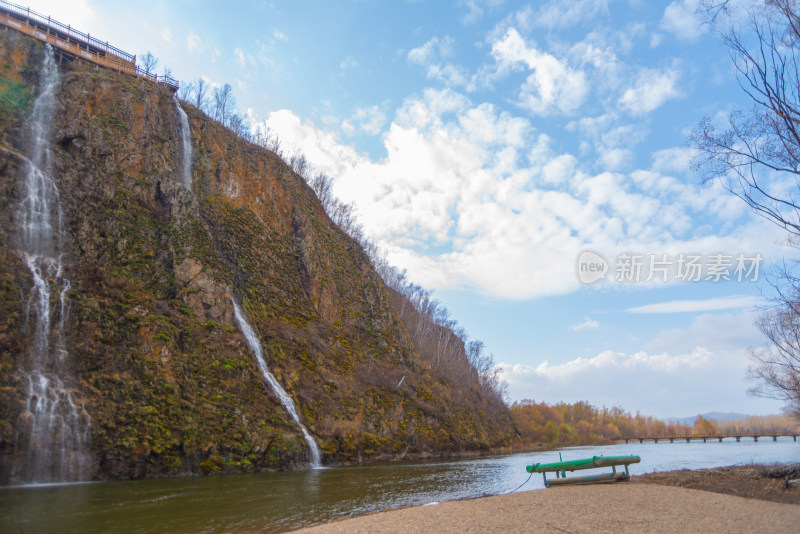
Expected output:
(160, 366)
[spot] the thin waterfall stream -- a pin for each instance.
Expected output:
(186, 140)
(286, 400)
(53, 428)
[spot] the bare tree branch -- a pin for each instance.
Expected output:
(758, 160)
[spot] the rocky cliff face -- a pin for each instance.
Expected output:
(161, 369)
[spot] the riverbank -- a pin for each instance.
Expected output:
(714, 500)
(763, 482)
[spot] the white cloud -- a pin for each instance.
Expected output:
(432, 56)
(675, 159)
(476, 9)
(615, 159)
(610, 139)
(609, 71)
(680, 19)
(681, 371)
(244, 60)
(166, 35)
(587, 324)
(694, 306)
(431, 108)
(370, 120)
(651, 89)
(76, 13)
(469, 196)
(553, 86)
(559, 14)
(240, 59)
(451, 75)
(279, 36)
(559, 169)
(194, 43)
(432, 50)
(655, 39)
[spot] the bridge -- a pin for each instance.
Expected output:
(720, 437)
(73, 44)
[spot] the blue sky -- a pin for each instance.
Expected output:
(485, 144)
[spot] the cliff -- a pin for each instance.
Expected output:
(159, 365)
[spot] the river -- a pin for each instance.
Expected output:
(283, 501)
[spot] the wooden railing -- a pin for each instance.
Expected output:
(75, 43)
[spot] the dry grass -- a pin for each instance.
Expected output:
(764, 482)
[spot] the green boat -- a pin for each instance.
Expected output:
(560, 469)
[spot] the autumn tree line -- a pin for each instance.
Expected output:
(564, 424)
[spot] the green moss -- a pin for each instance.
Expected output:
(212, 465)
(14, 97)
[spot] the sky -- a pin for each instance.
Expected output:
(528, 162)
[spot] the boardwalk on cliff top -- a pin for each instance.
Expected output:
(73, 44)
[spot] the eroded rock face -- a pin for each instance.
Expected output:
(208, 300)
(162, 369)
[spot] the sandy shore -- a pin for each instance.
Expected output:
(639, 508)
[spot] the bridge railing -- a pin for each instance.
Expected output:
(720, 436)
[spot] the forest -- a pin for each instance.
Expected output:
(564, 424)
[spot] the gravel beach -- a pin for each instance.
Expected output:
(639, 508)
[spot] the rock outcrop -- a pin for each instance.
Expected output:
(161, 367)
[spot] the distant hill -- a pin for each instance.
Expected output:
(719, 417)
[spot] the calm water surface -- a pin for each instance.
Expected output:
(284, 501)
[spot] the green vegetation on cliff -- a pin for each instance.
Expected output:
(163, 371)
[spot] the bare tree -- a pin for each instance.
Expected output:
(714, 10)
(300, 165)
(149, 64)
(322, 186)
(776, 368)
(200, 94)
(185, 91)
(760, 150)
(758, 159)
(224, 103)
(238, 125)
(268, 138)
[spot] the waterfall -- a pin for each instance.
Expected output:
(53, 428)
(186, 138)
(286, 400)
